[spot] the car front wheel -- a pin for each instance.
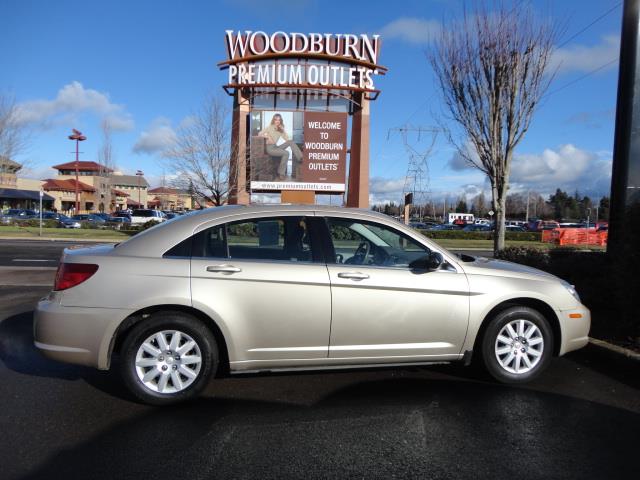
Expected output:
(517, 345)
(168, 358)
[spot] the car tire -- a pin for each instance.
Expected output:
(178, 369)
(517, 345)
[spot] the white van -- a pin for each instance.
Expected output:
(465, 217)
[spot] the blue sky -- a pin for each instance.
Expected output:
(147, 65)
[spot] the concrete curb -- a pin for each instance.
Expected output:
(615, 350)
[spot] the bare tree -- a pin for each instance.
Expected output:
(14, 137)
(491, 69)
(201, 154)
(105, 158)
(105, 154)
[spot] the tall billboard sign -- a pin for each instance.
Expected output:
(298, 151)
(292, 141)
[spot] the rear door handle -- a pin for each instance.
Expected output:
(353, 275)
(223, 268)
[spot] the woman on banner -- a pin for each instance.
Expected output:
(277, 143)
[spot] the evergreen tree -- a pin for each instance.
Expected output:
(462, 206)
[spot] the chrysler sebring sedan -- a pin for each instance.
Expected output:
(241, 289)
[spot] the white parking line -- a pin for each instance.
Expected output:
(30, 260)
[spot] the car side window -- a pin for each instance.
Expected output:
(367, 243)
(273, 238)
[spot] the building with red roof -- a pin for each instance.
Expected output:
(84, 169)
(99, 187)
(165, 198)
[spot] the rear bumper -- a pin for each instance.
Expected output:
(76, 334)
(575, 324)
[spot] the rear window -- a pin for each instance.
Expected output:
(183, 249)
(143, 213)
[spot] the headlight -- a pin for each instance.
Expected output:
(572, 290)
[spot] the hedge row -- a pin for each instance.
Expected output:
(33, 222)
(462, 235)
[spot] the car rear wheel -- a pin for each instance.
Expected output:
(517, 345)
(168, 358)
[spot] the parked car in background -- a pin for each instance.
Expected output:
(62, 219)
(118, 222)
(569, 225)
(422, 225)
(122, 213)
(138, 217)
(481, 221)
(536, 225)
(444, 226)
(477, 228)
(515, 228)
(225, 289)
(20, 213)
(89, 218)
(515, 223)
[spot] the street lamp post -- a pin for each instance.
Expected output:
(139, 174)
(78, 137)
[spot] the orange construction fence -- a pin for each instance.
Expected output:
(575, 236)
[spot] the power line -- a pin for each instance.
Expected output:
(588, 74)
(417, 179)
(582, 30)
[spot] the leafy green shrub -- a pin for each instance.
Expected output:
(149, 224)
(531, 256)
(35, 222)
(89, 225)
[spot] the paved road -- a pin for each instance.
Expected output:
(32, 253)
(581, 420)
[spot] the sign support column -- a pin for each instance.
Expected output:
(238, 194)
(358, 194)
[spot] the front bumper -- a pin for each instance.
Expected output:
(76, 334)
(575, 324)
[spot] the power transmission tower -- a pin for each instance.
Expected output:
(418, 143)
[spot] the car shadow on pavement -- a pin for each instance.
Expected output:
(391, 428)
(19, 354)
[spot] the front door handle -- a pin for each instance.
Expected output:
(353, 275)
(225, 268)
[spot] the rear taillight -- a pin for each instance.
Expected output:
(72, 274)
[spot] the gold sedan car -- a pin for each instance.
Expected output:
(240, 289)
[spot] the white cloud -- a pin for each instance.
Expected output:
(157, 138)
(567, 167)
(582, 58)
(72, 100)
(385, 190)
(412, 30)
(458, 162)
(38, 172)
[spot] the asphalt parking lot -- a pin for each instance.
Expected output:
(580, 420)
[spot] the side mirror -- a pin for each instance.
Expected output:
(431, 262)
(434, 261)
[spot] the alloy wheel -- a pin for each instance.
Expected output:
(519, 346)
(168, 361)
